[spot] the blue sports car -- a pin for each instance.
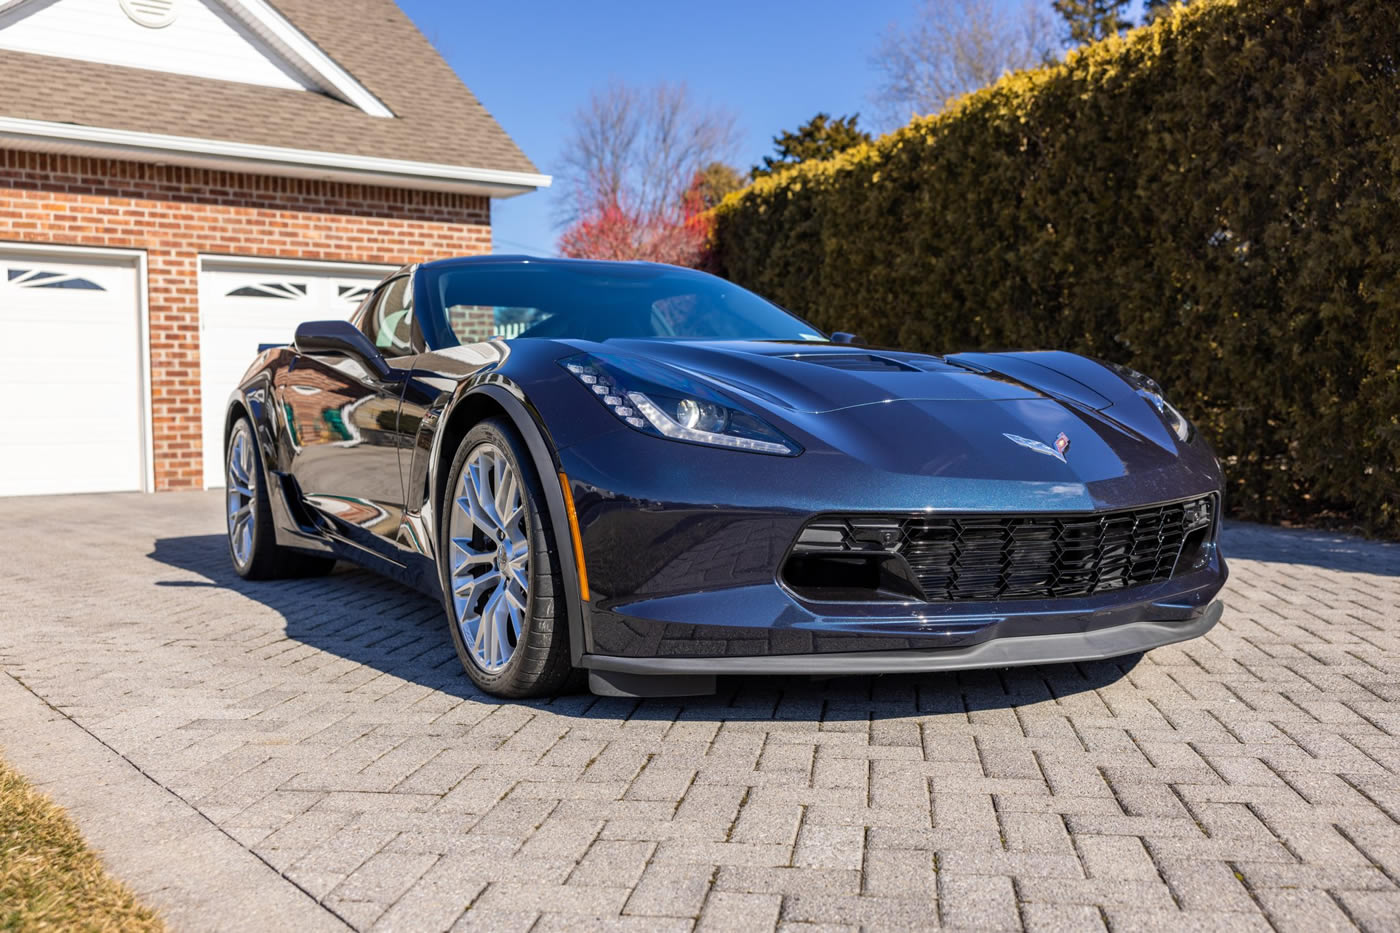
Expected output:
(653, 476)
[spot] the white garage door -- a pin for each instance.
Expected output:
(241, 307)
(71, 374)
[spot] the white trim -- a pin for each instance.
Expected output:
(277, 159)
(136, 257)
(143, 290)
(207, 260)
(323, 69)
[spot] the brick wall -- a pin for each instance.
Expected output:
(176, 213)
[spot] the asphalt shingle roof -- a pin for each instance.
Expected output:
(437, 119)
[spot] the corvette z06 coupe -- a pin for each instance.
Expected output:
(652, 475)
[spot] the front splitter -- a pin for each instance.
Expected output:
(657, 676)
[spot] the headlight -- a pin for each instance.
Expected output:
(1152, 392)
(662, 401)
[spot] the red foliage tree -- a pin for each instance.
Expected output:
(632, 166)
(677, 234)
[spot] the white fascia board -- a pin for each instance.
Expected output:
(272, 160)
(317, 65)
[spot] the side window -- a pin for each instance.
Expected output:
(388, 322)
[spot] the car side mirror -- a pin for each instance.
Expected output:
(841, 336)
(340, 337)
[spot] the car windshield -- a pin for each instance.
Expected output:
(599, 301)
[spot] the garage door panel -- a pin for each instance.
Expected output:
(71, 353)
(88, 359)
(242, 308)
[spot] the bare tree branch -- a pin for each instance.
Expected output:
(956, 46)
(640, 149)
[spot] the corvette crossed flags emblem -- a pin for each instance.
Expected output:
(1058, 451)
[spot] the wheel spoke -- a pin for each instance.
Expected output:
(494, 648)
(517, 573)
(516, 606)
(505, 492)
(469, 586)
(499, 620)
(467, 557)
(485, 502)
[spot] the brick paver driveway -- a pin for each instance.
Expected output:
(1245, 780)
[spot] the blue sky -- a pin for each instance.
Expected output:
(533, 64)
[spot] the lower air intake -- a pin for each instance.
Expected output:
(990, 557)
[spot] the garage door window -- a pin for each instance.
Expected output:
(38, 278)
(354, 294)
(289, 291)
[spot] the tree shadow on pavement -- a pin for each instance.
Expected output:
(1328, 550)
(372, 621)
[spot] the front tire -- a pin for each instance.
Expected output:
(252, 541)
(501, 579)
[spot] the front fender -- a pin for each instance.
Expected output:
(494, 394)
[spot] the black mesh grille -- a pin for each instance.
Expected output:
(986, 557)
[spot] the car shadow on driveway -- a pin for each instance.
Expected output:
(372, 621)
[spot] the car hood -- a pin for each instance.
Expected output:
(1037, 439)
(817, 378)
(976, 415)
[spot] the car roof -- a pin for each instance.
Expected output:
(516, 259)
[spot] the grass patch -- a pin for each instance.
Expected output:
(50, 879)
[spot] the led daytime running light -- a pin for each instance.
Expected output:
(607, 393)
(674, 429)
(695, 419)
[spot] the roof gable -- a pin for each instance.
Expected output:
(247, 41)
(437, 135)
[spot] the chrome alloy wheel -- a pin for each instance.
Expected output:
(240, 474)
(490, 557)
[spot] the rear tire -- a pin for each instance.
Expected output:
(499, 568)
(252, 540)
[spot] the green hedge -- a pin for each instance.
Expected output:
(1214, 200)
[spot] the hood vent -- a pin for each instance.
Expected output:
(854, 362)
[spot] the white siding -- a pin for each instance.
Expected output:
(204, 40)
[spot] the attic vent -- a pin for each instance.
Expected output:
(151, 13)
(857, 362)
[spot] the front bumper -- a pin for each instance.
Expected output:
(684, 544)
(1014, 651)
(766, 621)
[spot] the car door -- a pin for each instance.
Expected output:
(342, 422)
